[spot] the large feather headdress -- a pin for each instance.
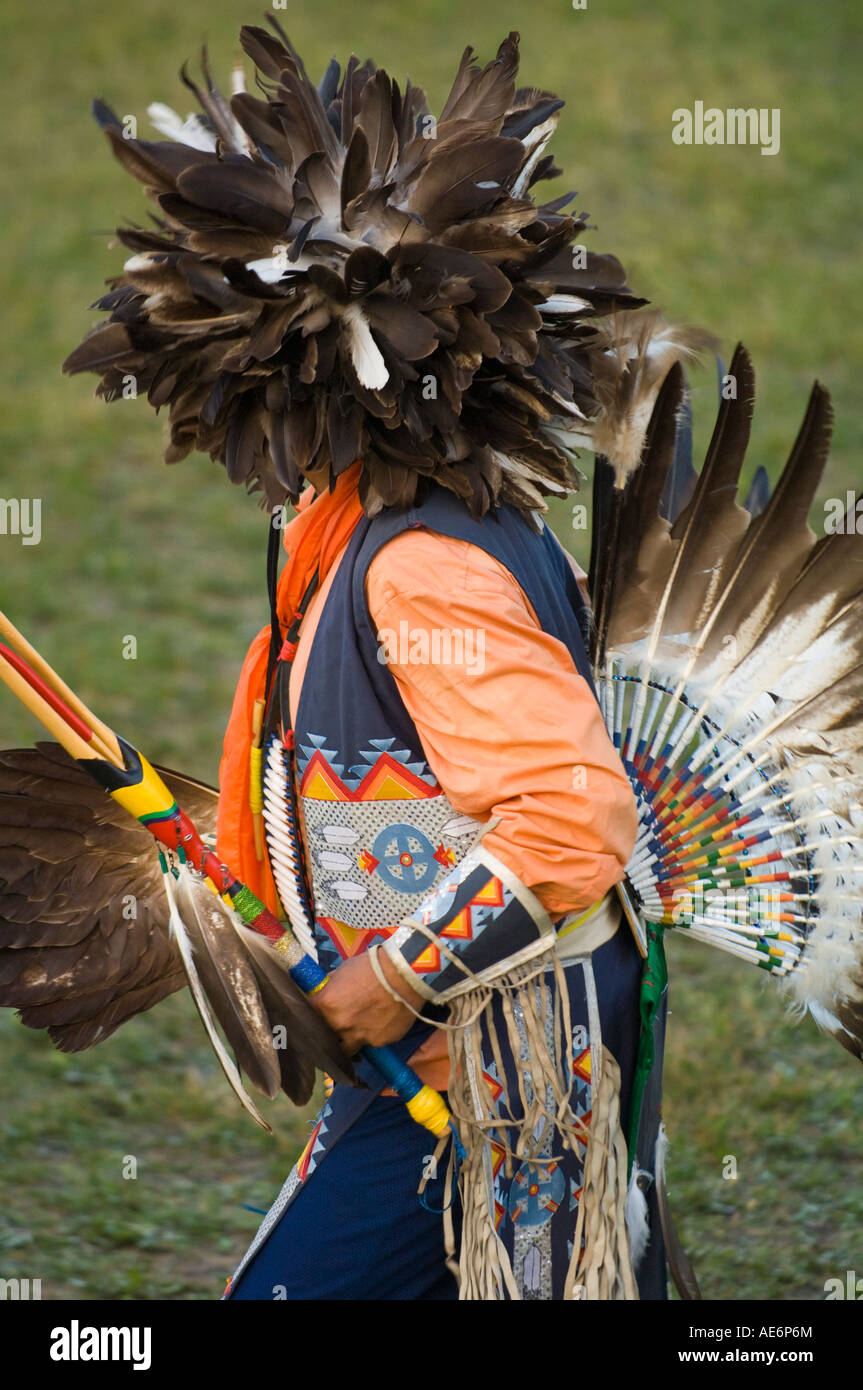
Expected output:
(334, 274)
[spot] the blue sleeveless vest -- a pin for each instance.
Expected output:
(383, 842)
(380, 834)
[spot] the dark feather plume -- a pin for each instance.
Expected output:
(336, 244)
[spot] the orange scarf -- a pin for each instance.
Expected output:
(322, 526)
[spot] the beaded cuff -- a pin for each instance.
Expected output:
(477, 924)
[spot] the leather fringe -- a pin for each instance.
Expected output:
(538, 1032)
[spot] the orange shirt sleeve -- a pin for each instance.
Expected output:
(508, 726)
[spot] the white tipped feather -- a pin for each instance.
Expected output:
(190, 131)
(238, 78)
(180, 935)
(370, 367)
(141, 260)
(643, 349)
(535, 141)
(637, 1224)
(563, 304)
(270, 269)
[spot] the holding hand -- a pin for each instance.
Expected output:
(359, 1009)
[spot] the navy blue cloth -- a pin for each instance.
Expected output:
(357, 1230)
(533, 556)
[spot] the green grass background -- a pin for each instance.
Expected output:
(761, 249)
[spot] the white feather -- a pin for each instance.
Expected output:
(563, 304)
(270, 269)
(178, 931)
(370, 367)
(637, 1224)
(534, 142)
(190, 131)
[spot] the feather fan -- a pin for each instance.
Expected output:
(729, 664)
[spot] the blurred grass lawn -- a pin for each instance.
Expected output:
(762, 249)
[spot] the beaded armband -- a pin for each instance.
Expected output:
(477, 924)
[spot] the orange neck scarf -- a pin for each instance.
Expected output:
(322, 527)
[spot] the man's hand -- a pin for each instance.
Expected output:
(359, 1009)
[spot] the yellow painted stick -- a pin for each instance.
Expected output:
(105, 740)
(255, 779)
(54, 722)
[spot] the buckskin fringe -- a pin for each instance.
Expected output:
(537, 1025)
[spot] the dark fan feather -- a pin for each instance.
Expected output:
(84, 939)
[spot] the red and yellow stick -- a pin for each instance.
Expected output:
(136, 785)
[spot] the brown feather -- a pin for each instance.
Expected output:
(243, 193)
(74, 962)
(417, 226)
(484, 94)
(778, 541)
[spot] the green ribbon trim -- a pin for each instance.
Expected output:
(248, 906)
(653, 981)
(155, 816)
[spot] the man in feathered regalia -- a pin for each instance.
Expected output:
(469, 802)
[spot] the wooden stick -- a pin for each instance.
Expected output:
(104, 740)
(54, 722)
(257, 816)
